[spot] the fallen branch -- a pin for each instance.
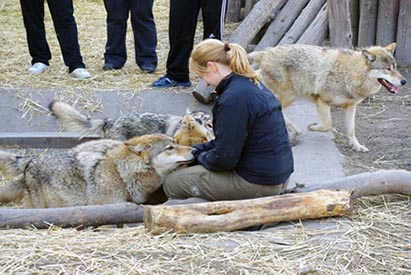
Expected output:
(234, 215)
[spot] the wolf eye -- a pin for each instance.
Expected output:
(171, 147)
(198, 120)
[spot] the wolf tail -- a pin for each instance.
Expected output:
(12, 165)
(73, 121)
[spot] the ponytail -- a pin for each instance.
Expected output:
(229, 54)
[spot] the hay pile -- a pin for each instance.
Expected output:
(376, 240)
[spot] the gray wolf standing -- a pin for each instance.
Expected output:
(328, 77)
(127, 126)
(95, 172)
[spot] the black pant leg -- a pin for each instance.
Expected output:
(213, 12)
(144, 29)
(117, 16)
(66, 30)
(182, 26)
(33, 18)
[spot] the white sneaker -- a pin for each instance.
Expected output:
(37, 68)
(80, 73)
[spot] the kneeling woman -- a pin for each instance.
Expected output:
(251, 155)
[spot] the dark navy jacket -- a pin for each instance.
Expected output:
(250, 131)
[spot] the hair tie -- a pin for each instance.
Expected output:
(226, 47)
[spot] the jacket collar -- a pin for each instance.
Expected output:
(222, 86)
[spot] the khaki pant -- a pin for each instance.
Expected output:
(197, 181)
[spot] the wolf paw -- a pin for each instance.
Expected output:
(356, 146)
(318, 127)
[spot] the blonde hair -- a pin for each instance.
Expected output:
(230, 54)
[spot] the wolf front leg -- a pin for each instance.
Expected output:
(324, 113)
(349, 114)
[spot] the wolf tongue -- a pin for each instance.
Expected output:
(387, 85)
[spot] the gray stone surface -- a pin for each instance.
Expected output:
(316, 157)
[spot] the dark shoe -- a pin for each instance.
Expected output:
(205, 100)
(165, 82)
(109, 67)
(148, 68)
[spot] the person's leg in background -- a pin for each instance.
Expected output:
(115, 55)
(33, 18)
(213, 12)
(145, 34)
(182, 28)
(66, 29)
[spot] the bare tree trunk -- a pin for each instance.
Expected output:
(262, 13)
(387, 22)
(366, 184)
(234, 215)
(302, 22)
(281, 23)
(368, 22)
(318, 29)
(95, 215)
(403, 53)
(340, 23)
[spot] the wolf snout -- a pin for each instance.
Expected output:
(403, 82)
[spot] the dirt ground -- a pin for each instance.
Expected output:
(383, 125)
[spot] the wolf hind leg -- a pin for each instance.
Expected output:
(349, 115)
(324, 113)
(12, 191)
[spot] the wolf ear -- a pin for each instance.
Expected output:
(391, 47)
(140, 150)
(369, 56)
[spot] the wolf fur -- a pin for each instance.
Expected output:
(329, 77)
(95, 172)
(128, 126)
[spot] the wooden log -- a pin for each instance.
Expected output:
(92, 215)
(387, 22)
(233, 11)
(44, 139)
(248, 6)
(366, 184)
(403, 53)
(281, 24)
(368, 22)
(262, 13)
(235, 215)
(302, 22)
(318, 29)
(339, 21)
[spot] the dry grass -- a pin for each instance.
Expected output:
(376, 240)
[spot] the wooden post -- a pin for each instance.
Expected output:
(234, 11)
(261, 14)
(387, 22)
(302, 22)
(339, 23)
(281, 23)
(355, 17)
(249, 4)
(368, 22)
(403, 53)
(318, 29)
(234, 215)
